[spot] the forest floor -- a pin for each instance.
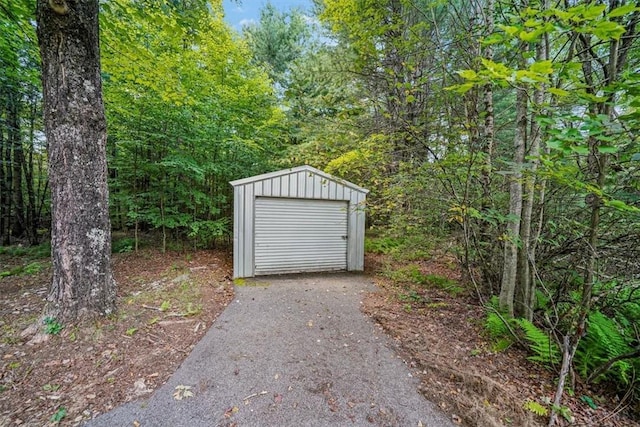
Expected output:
(438, 328)
(168, 301)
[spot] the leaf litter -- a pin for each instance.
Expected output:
(95, 366)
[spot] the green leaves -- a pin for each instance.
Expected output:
(499, 73)
(187, 112)
(59, 415)
(606, 30)
(542, 67)
(52, 326)
(623, 10)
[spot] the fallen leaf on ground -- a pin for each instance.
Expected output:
(229, 412)
(182, 392)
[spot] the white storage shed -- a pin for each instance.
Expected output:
(297, 220)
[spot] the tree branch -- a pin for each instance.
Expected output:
(605, 366)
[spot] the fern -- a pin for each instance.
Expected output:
(545, 351)
(495, 326)
(502, 344)
(608, 332)
(536, 408)
(604, 341)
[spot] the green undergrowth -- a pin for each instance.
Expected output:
(402, 249)
(123, 245)
(401, 263)
(28, 252)
(31, 260)
(505, 332)
(602, 354)
(25, 270)
(412, 273)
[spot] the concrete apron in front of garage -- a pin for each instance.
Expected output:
(288, 351)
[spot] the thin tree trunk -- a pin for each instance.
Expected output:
(525, 288)
(31, 217)
(486, 233)
(8, 179)
(597, 166)
(4, 227)
(488, 130)
(15, 140)
(136, 206)
(75, 127)
(510, 268)
(568, 350)
(164, 228)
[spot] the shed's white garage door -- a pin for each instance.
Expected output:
(296, 235)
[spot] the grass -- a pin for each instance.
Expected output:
(404, 264)
(411, 296)
(411, 273)
(382, 245)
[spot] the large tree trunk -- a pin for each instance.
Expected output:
(75, 127)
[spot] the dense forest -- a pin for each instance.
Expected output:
(507, 129)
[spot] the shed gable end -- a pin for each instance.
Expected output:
(305, 183)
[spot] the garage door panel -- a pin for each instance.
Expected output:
(295, 235)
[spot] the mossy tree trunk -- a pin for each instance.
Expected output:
(75, 127)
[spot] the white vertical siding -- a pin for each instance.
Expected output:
(303, 182)
(238, 232)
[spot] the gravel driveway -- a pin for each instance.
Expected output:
(288, 351)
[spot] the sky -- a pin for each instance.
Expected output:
(239, 12)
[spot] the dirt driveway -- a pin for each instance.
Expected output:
(290, 351)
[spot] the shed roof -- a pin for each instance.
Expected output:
(305, 168)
